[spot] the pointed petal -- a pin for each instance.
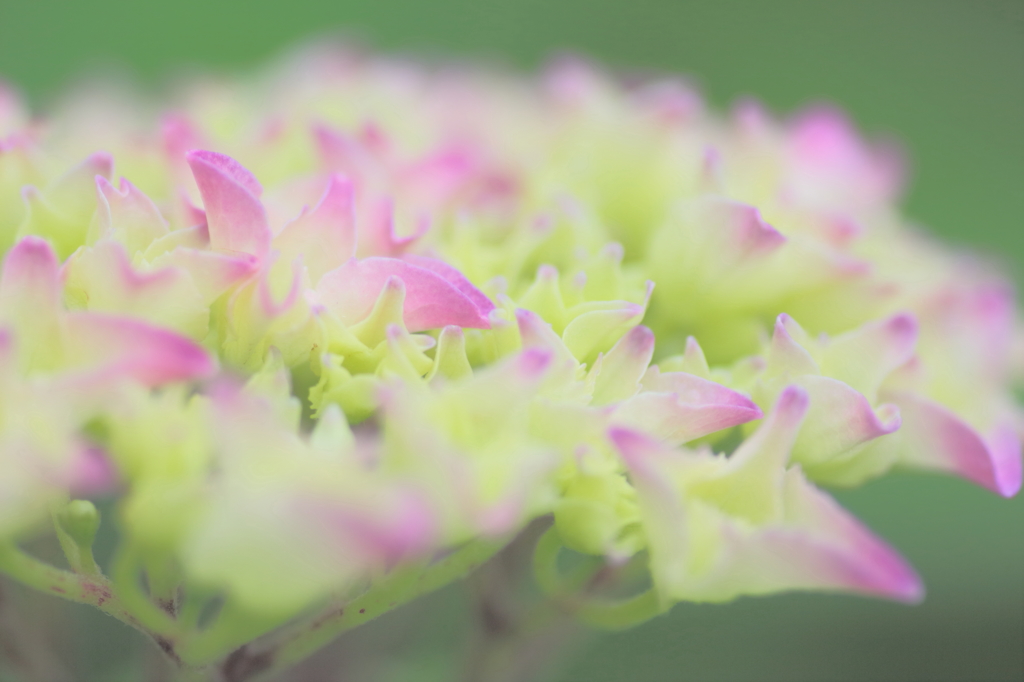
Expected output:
(598, 329)
(237, 220)
(788, 356)
(748, 485)
(694, 361)
(846, 555)
(450, 360)
(74, 193)
(535, 332)
(624, 366)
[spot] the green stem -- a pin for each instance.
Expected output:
(95, 590)
(127, 573)
(400, 587)
(598, 613)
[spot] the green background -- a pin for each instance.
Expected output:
(947, 78)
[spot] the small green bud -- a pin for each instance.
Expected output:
(77, 525)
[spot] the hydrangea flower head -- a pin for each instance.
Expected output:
(336, 335)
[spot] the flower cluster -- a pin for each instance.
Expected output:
(348, 320)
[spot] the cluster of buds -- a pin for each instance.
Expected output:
(336, 334)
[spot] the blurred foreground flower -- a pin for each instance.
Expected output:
(337, 335)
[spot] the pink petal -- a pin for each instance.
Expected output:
(237, 220)
(837, 548)
(30, 282)
(430, 302)
(124, 347)
(830, 163)
(934, 437)
(678, 407)
(326, 236)
(378, 237)
(840, 419)
(455, 278)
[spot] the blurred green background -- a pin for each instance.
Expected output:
(947, 78)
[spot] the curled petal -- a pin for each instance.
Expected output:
(933, 437)
(709, 547)
(431, 302)
(679, 407)
(840, 420)
(455, 278)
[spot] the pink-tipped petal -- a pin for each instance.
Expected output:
(325, 237)
(536, 333)
(235, 216)
(840, 419)
(773, 440)
(864, 357)
(30, 279)
(431, 302)
(678, 407)
(455, 278)
(934, 437)
(378, 235)
(128, 215)
(124, 347)
(787, 357)
(842, 551)
(624, 366)
(599, 328)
